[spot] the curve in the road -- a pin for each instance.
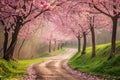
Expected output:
(52, 68)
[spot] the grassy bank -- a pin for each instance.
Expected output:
(17, 70)
(99, 65)
(12, 70)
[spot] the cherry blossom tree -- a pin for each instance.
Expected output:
(66, 25)
(109, 8)
(70, 30)
(76, 27)
(94, 20)
(14, 14)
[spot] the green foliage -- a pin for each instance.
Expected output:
(11, 70)
(99, 65)
(57, 52)
(52, 53)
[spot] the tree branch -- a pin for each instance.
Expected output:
(35, 16)
(105, 8)
(20, 48)
(102, 11)
(29, 11)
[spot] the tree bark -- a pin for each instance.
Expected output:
(10, 50)
(113, 40)
(49, 46)
(84, 43)
(5, 43)
(62, 45)
(58, 46)
(93, 41)
(79, 44)
(54, 45)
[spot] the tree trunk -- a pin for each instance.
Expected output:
(79, 44)
(58, 46)
(10, 50)
(49, 46)
(61, 45)
(5, 43)
(93, 41)
(54, 45)
(113, 40)
(84, 43)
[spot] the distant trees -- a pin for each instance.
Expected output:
(53, 37)
(79, 21)
(82, 18)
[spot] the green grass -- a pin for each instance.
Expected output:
(11, 70)
(52, 53)
(99, 65)
(57, 52)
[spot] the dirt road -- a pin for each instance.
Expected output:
(52, 68)
(56, 68)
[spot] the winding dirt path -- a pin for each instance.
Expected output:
(52, 68)
(55, 68)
